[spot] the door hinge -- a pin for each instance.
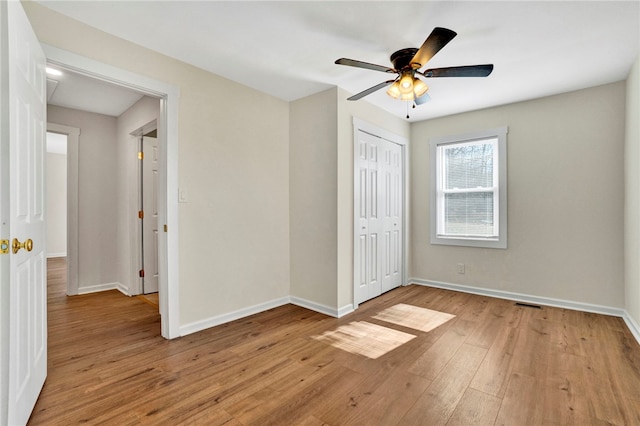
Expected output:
(140, 214)
(166, 228)
(141, 273)
(140, 155)
(4, 246)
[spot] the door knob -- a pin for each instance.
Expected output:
(17, 245)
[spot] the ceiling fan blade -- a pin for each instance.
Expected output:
(370, 90)
(463, 71)
(422, 99)
(438, 39)
(360, 64)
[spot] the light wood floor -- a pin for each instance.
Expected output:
(493, 363)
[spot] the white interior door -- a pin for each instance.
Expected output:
(391, 196)
(369, 225)
(150, 217)
(378, 199)
(25, 65)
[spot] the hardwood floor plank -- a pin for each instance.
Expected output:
(499, 313)
(475, 408)
(438, 356)
(439, 401)
(383, 404)
(523, 403)
(565, 393)
(532, 349)
(493, 374)
(313, 399)
(108, 364)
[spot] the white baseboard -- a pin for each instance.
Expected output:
(526, 298)
(196, 326)
(547, 301)
(346, 309)
(123, 289)
(99, 287)
(323, 309)
(633, 325)
(52, 255)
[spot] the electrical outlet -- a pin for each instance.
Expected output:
(460, 268)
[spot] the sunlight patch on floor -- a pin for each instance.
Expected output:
(410, 316)
(364, 338)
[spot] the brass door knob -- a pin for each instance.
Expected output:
(17, 245)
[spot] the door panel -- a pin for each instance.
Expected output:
(362, 221)
(378, 197)
(392, 221)
(25, 64)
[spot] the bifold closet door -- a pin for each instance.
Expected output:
(379, 201)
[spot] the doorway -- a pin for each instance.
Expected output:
(56, 195)
(71, 201)
(167, 171)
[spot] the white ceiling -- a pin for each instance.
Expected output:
(288, 49)
(72, 90)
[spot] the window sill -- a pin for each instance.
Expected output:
(495, 243)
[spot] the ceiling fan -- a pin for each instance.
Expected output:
(407, 63)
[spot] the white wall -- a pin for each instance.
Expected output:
(233, 160)
(632, 195)
(144, 111)
(56, 205)
(97, 194)
(565, 207)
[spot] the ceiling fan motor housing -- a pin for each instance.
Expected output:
(401, 59)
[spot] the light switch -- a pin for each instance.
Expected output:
(182, 196)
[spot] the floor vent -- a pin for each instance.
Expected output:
(528, 305)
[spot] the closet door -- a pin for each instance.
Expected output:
(378, 203)
(391, 196)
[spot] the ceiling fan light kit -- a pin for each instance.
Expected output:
(407, 63)
(407, 88)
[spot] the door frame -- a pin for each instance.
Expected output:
(373, 130)
(168, 169)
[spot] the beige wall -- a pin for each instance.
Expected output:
(233, 159)
(56, 205)
(632, 195)
(565, 206)
(97, 194)
(312, 186)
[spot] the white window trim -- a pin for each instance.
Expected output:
(500, 188)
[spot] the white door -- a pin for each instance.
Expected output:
(25, 64)
(378, 203)
(369, 225)
(150, 216)
(391, 196)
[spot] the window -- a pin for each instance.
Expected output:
(469, 189)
